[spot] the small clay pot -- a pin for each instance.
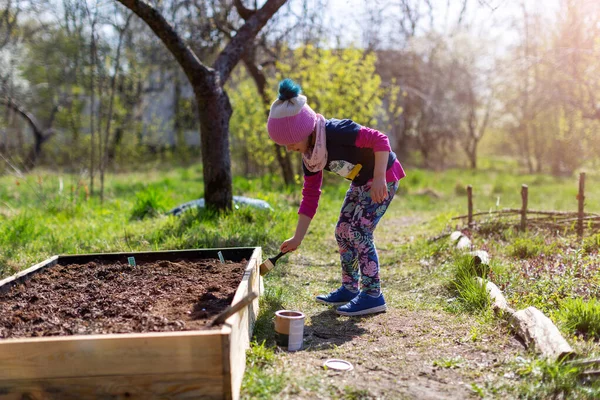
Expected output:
(289, 329)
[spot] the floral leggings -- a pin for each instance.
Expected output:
(354, 234)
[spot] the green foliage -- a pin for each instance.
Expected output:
(338, 83)
(581, 316)
(251, 146)
(17, 233)
(261, 380)
(472, 295)
(150, 202)
(544, 379)
(272, 300)
(452, 362)
(527, 246)
(201, 228)
(591, 244)
(259, 355)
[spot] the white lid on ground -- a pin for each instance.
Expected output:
(340, 365)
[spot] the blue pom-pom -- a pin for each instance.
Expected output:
(288, 89)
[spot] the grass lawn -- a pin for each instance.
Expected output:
(430, 343)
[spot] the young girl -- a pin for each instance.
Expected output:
(357, 153)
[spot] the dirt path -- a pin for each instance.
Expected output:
(416, 350)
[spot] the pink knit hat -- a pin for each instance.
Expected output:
(291, 120)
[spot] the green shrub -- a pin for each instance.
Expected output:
(525, 247)
(150, 202)
(580, 316)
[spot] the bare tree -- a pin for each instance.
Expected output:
(41, 132)
(207, 82)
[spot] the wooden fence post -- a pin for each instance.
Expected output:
(581, 198)
(470, 205)
(524, 199)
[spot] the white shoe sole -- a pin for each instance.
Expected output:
(332, 304)
(372, 310)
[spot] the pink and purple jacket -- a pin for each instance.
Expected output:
(350, 153)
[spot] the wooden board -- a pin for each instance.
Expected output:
(242, 325)
(177, 365)
(7, 283)
(115, 354)
(133, 387)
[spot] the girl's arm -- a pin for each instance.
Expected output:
(379, 186)
(301, 229)
(311, 191)
(380, 144)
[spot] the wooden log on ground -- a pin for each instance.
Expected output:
(460, 241)
(454, 236)
(464, 243)
(499, 302)
(538, 331)
(585, 363)
(480, 257)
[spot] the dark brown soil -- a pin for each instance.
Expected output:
(98, 298)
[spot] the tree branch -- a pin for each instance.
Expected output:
(234, 50)
(31, 120)
(244, 12)
(193, 67)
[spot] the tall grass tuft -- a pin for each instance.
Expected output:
(581, 316)
(545, 379)
(149, 202)
(473, 295)
(17, 233)
(270, 302)
(591, 244)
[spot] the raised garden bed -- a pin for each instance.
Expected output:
(135, 332)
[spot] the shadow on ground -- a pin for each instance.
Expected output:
(329, 330)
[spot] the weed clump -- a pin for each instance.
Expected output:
(528, 247)
(471, 292)
(580, 316)
(591, 244)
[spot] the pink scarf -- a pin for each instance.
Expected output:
(315, 159)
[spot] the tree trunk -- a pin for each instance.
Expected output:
(285, 163)
(215, 112)
(473, 157)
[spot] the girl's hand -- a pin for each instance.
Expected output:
(379, 190)
(290, 245)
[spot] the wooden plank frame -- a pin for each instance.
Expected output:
(206, 364)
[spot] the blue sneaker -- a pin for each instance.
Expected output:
(337, 297)
(363, 304)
